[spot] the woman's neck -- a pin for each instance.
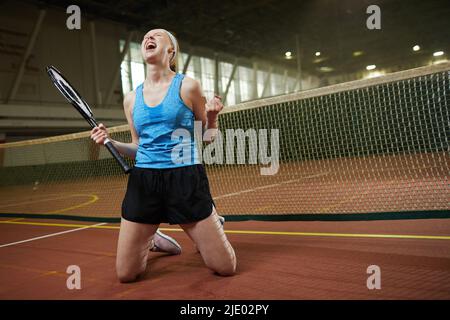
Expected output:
(157, 75)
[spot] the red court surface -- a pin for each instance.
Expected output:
(276, 260)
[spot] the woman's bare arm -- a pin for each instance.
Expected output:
(206, 112)
(100, 133)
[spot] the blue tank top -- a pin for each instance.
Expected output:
(166, 131)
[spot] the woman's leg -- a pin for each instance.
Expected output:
(211, 241)
(132, 249)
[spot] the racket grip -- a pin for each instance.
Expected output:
(117, 156)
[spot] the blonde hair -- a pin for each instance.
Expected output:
(173, 61)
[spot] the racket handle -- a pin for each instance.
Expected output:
(117, 156)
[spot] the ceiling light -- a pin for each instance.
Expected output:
(326, 69)
(374, 74)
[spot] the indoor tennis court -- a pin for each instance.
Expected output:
(361, 162)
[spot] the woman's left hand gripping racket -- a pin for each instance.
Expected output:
(77, 101)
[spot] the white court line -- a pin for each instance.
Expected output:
(269, 186)
(52, 235)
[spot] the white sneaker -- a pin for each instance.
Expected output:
(163, 243)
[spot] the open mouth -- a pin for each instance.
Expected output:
(150, 46)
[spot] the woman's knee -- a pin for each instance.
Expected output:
(126, 277)
(224, 268)
(127, 273)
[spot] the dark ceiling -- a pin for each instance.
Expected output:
(268, 28)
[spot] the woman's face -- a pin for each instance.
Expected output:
(156, 45)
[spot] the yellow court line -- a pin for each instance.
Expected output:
(19, 203)
(15, 202)
(352, 235)
(249, 232)
(16, 219)
(94, 198)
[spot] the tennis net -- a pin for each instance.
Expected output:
(368, 149)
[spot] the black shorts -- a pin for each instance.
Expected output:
(175, 195)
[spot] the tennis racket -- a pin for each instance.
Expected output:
(83, 108)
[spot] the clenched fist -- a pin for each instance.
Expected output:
(214, 106)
